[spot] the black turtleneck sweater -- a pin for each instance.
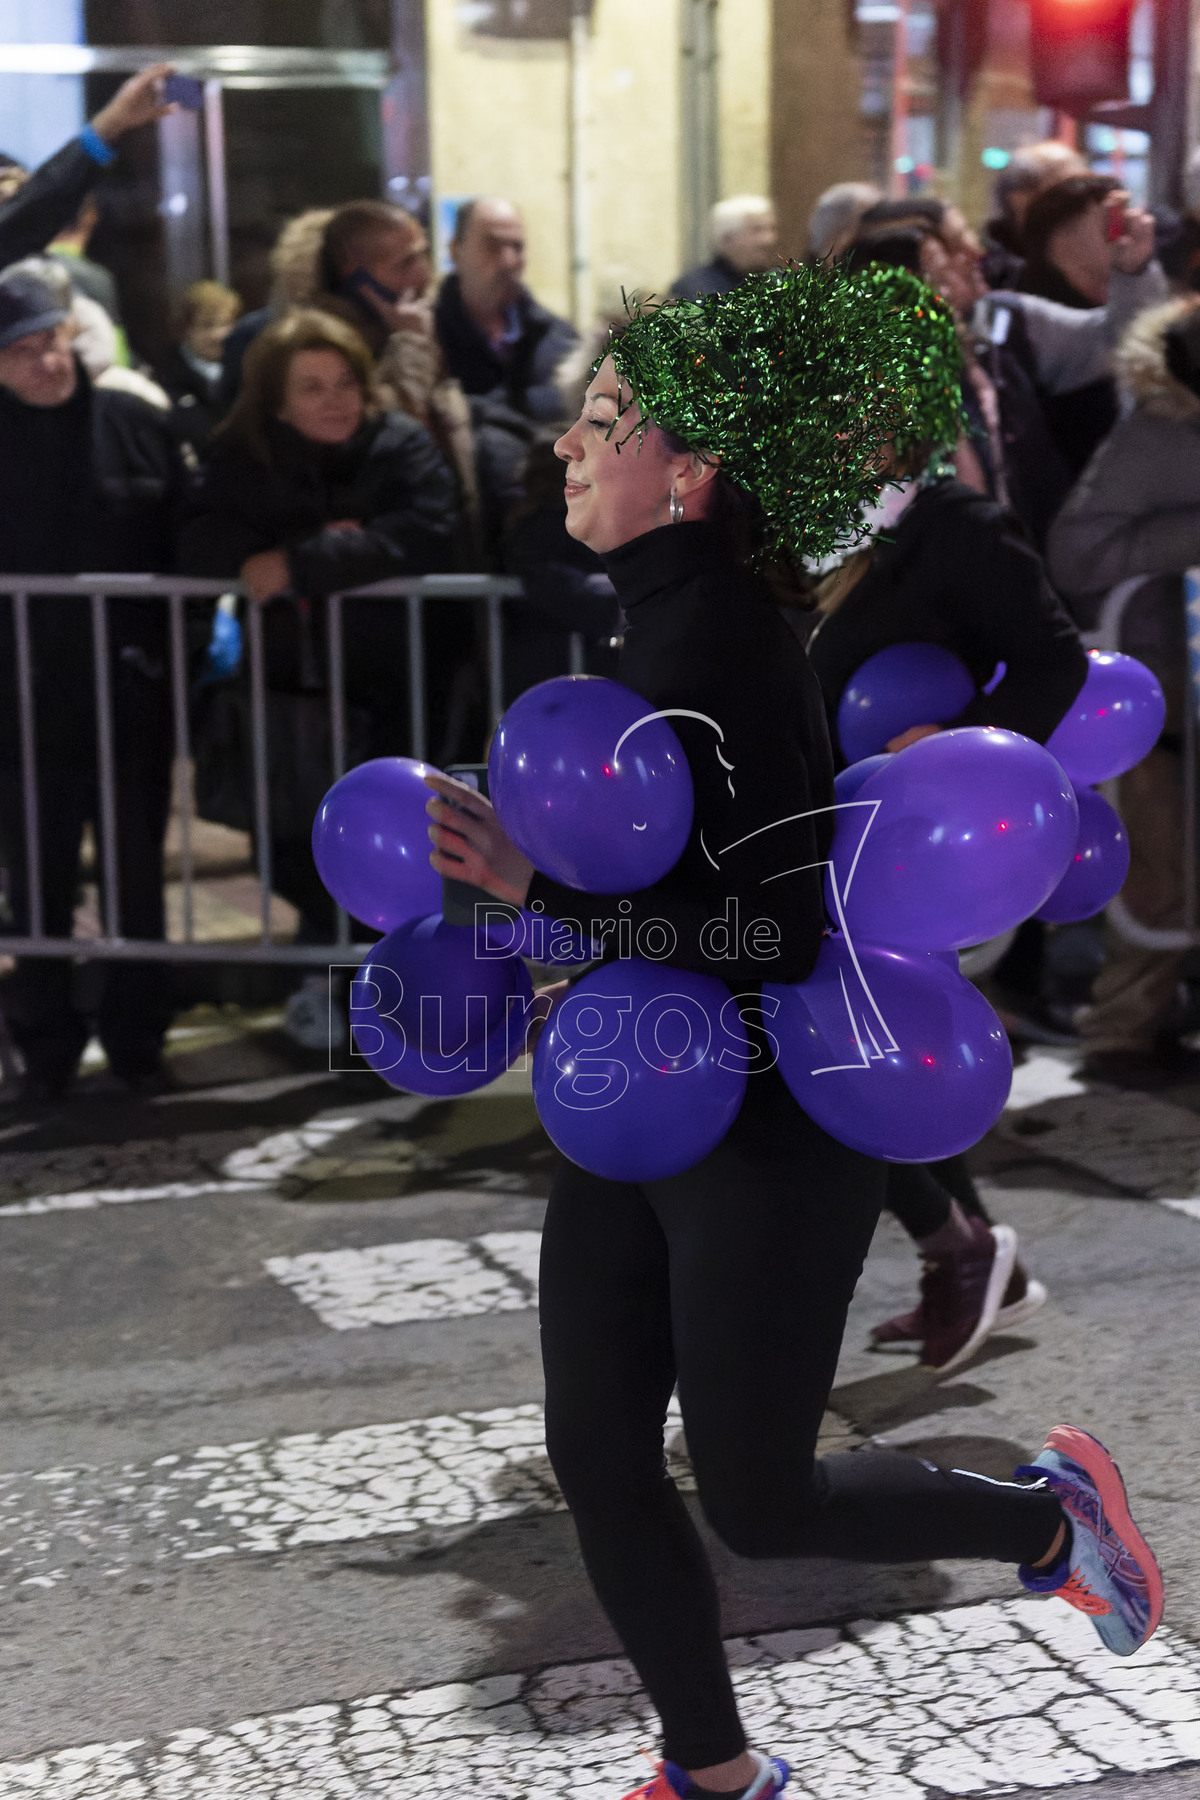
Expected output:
(703, 633)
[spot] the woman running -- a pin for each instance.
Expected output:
(677, 1283)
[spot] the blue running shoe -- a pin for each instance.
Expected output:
(1108, 1571)
(673, 1783)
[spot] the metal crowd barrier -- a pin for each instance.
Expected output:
(1107, 636)
(92, 592)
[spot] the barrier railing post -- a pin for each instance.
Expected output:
(258, 742)
(416, 677)
(29, 784)
(495, 659)
(106, 766)
(174, 593)
(337, 720)
(183, 762)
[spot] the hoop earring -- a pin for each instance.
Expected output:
(676, 507)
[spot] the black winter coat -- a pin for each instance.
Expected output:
(1037, 475)
(390, 476)
(92, 485)
(196, 403)
(957, 571)
(524, 378)
(1081, 419)
(702, 634)
(50, 199)
(716, 277)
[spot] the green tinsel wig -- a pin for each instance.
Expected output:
(796, 380)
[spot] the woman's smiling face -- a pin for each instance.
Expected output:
(619, 480)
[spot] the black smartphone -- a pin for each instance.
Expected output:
(362, 283)
(185, 91)
(459, 898)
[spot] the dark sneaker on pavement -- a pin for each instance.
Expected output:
(902, 1329)
(674, 1783)
(1109, 1572)
(961, 1295)
(1015, 1312)
(1023, 1296)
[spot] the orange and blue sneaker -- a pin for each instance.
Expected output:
(673, 1783)
(1107, 1569)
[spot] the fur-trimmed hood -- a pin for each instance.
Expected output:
(296, 260)
(1140, 364)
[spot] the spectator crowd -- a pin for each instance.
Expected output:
(371, 422)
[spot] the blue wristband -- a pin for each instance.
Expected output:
(97, 149)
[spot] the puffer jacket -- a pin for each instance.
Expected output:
(1136, 508)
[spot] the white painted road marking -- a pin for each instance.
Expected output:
(426, 1476)
(425, 1278)
(969, 1701)
(1044, 1075)
(247, 1171)
(421, 1475)
(1190, 1208)
(84, 1199)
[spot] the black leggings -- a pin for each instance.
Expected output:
(919, 1194)
(732, 1281)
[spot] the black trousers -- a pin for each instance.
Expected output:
(731, 1281)
(40, 1000)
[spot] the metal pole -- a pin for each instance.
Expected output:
(107, 766)
(183, 761)
(258, 742)
(578, 653)
(337, 686)
(29, 787)
(337, 719)
(218, 187)
(495, 659)
(1189, 816)
(416, 676)
(1191, 600)
(581, 303)
(899, 180)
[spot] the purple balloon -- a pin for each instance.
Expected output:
(370, 842)
(591, 784)
(893, 1054)
(1098, 869)
(1116, 717)
(973, 832)
(902, 686)
(847, 784)
(641, 1070)
(435, 1010)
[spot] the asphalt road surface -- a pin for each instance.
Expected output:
(276, 1519)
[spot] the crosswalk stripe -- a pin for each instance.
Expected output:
(429, 1476)
(251, 1170)
(966, 1701)
(422, 1278)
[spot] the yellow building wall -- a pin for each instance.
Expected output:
(744, 95)
(499, 112)
(633, 149)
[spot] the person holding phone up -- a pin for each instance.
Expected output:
(51, 197)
